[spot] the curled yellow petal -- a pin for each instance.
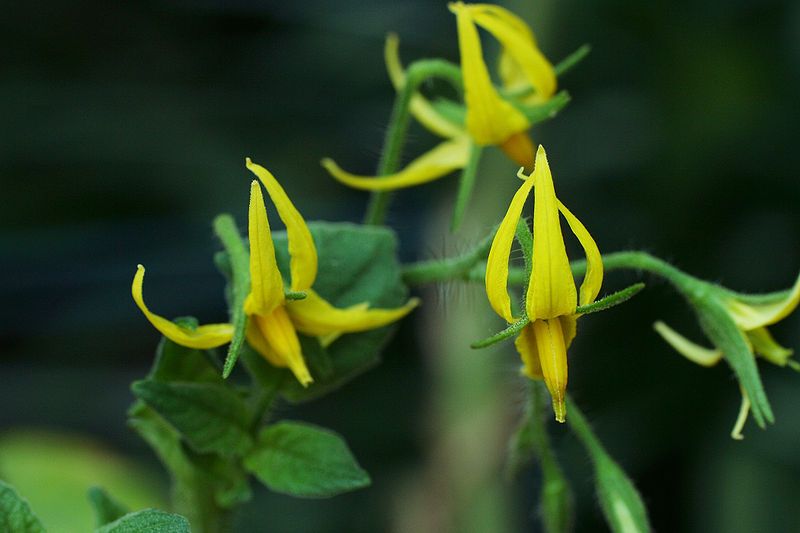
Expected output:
(443, 159)
(490, 119)
(552, 351)
(551, 291)
(315, 316)
(421, 109)
(525, 344)
(593, 279)
(203, 337)
(767, 347)
(303, 253)
(519, 47)
(752, 316)
(266, 283)
(690, 350)
(497, 263)
(281, 338)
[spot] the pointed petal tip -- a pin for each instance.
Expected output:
(560, 409)
(455, 7)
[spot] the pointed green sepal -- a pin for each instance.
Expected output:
(295, 295)
(239, 260)
(547, 110)
(567, 64)
(510, 331)
(612, 300)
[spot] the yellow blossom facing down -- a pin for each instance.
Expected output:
(551, 298)
(491, 119)
(274, 321)
(752, 315)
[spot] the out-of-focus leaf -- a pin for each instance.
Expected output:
(58, 494)
(306, 461)
(106, 509)
(146, 521)
(15, 513)
(174, 362)
(212, 417)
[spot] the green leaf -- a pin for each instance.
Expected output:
(15, 513)
(148, 520)
(611, 300)
(204, 486)
(723, 333)
(106, 509)
(356, 264)
(466, 183)
(305, 461)
(239, 261)
(212, 417)
(174, 362)
(621, 503)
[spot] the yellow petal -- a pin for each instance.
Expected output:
(490, 119)
(767, 347)
(551, 291)
(569, 326)
(421, 109)
(315, 316)
(203, 337)
(750, 316)
(497, 262)
(260, 344)
(529, 353)
(691, 351)
(443, 159)
(517, 42)
(281, 337)
(303, 253)
(593, 279)
(553, 358)
(266, 284)
(519, 148)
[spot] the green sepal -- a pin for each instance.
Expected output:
(15, 513)
(452, 111)
(510, 331)
(569, 62)
(211, 417)
(466, 184)
(305, 461)
(546, 110)
(295, 295)
(719, 327)
(147, 520)
(612, 300)
(106, 509)
(622, 505)
(239, 276)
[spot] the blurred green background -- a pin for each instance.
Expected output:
(125, 127)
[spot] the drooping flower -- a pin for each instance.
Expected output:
(551, 297)
(751, 315)
(274, 321)
(492, 117)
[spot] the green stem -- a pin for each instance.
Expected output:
(393, 143)
(580, 427)
(451, 268)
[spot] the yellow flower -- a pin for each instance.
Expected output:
(491, 119)
(751, 314)
(275, 321)
(551, 299)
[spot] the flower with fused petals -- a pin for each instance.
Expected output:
(492, 117)
(751, 314)
(274, 321)
(551, 297)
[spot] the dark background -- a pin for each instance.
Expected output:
(124, 131)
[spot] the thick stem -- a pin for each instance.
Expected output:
(397, 131)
